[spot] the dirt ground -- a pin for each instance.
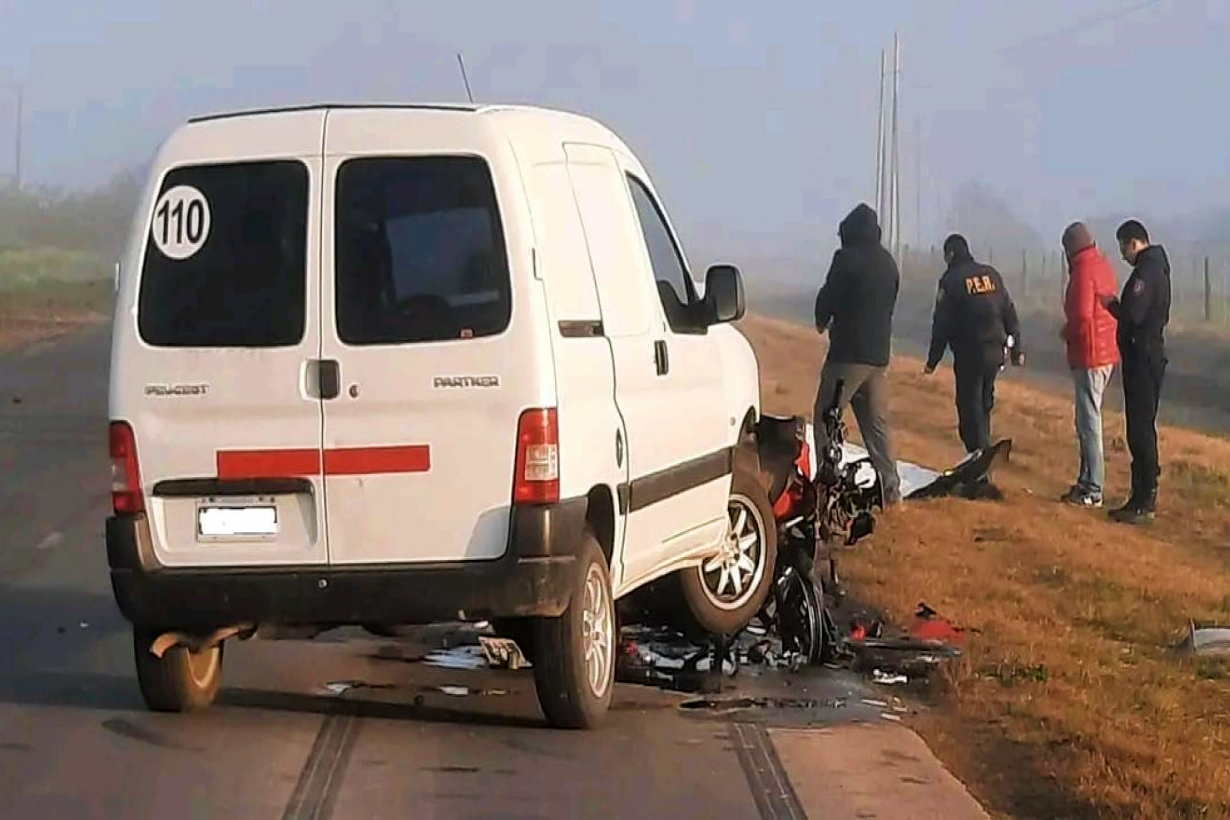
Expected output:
(1071, 701)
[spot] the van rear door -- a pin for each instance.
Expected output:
(217, 338)
(436, 366)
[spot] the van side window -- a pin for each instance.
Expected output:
(675, 287)
(420, 253)
(243, 281)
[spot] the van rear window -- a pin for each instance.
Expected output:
(225, 257)
(420, 251)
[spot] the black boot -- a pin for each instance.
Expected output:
(1128, 507)
(1139, 510)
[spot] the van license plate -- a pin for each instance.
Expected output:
(237, 522)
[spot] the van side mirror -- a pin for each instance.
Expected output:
(724, 300)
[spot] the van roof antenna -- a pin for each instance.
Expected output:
(465, 77)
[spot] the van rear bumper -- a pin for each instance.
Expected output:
(535, 577)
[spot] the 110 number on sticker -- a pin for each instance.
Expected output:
(181, 222)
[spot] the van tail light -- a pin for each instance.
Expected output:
(125, 475)
(537, 477)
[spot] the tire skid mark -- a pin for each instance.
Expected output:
(315, 793)
(766, 776)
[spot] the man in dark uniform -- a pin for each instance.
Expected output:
(1143, 313)
(975, 316)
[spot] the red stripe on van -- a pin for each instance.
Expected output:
(249, 464)
(414, 458)
(245, 464)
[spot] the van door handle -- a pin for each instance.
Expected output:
(324, 379)
(661, 357)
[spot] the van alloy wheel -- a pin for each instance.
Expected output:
(732, 576)
(596, 620)
(726, 590)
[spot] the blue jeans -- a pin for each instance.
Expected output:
(1090, 385)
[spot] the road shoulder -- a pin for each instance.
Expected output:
(867, 771)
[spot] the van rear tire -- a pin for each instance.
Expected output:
(181, 680)
(574, 654)
(716, 601)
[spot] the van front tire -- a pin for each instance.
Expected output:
(574, 654)
(181, 680)
(726, 591)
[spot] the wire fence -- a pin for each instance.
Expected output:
(1200, 284)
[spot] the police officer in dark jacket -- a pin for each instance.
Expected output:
(856, 307)
(1143, 312)
(975, 316)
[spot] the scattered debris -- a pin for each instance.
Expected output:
(907, 656)
(887, 679)
(971, 478)
(893, 718)
(458, 657)
(455, 691)
(929, 626)
(879, 704)
(339, 688)
(84, 624)
(51, 540)
(1211, 640)
(502, 653)
(736, 703)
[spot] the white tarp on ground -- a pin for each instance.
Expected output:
(912, 476)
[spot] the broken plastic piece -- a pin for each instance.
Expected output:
(502, 653)
(461, 657)
(887, 679)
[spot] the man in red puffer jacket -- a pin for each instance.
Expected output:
(1089, 333)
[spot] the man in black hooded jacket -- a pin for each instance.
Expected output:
(856, 307)
(1143, 313)
(975, 316)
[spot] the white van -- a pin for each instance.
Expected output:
(398, 365)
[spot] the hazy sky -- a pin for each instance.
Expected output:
(757, 121)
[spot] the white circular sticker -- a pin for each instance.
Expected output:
(181, 222)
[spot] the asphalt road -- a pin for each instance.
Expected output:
(384, 740)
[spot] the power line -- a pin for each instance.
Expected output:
(1084, 25)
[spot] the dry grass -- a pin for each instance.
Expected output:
(1070, 701)
(36, 313)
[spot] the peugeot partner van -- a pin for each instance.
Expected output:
(398, 365)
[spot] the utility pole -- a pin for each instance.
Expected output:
(880, 146)
(19, 94)
(1208, 293)
(918, 218)
(17, 139)
(896, 206)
